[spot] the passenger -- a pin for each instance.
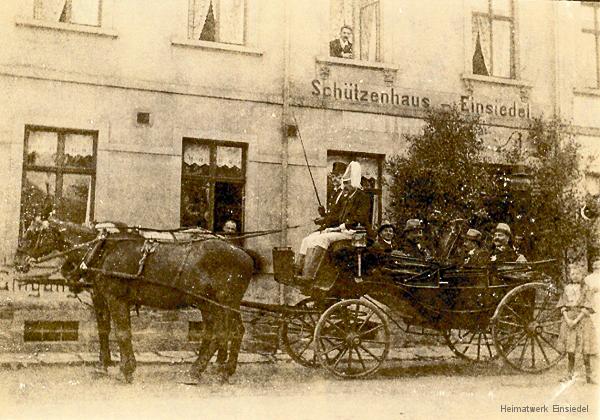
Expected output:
(385, 238)
(230, 232)
(414, 245)
(474, 254)
(502, 251)
(353, 209)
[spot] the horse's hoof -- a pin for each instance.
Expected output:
(195, 373)
(128, 378)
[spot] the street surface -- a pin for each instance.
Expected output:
(447, 389)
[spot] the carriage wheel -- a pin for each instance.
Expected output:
(297, 335)
(475, 345)
(525, 327)
(352, 338)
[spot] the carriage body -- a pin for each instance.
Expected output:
(507, 309)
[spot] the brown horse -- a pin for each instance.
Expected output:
(205, 272)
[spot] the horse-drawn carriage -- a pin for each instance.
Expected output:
(507, 309)
(343, 324)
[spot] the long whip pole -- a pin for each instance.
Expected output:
(306, 160)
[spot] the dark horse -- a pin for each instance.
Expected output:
(205, 272)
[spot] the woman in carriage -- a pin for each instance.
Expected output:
(351, 210)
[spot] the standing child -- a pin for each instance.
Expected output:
(576, 330)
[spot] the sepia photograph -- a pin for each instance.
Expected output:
(299, 209)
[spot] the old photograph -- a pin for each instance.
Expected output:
(299, 209)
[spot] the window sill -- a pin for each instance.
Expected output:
(587, 91)
(69, 27)
(357, 63)
(218, 46)
(496, 80)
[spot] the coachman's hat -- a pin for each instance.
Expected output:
(473, 235)
(413, 224)
(338, 168)
(504, 228)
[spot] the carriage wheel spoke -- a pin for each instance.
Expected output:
(365, 321)
(537, 340)
(329, 337)
(300, 353)
(479, 346)
(378, 327)
(336, 327)
(350, 359)
(549, 343)
(517, 316)
(339, 357)
(516, 344)
(360, 359)
(532, 353)
(371, 354)
(374, 342)
(541, 308)
(509, 323)
(487, 344)
(523, 351)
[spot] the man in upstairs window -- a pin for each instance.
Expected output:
(342, 47)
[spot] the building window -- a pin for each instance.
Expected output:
(80, 12)
(363, 19)
(493, 38)
(59, 172)
(217, 21)
(589, 46)
(372, 170)
(212, 184)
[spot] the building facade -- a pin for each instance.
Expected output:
(195, 112)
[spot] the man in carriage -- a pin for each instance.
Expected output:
(474, 253)
(414, 244)
(350, 211)
(502, 250)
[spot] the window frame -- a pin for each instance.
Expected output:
(212, 178)
(380, 158)
(356, 31)
(38, 4)
(60, 169)
(596, 33)
(491, 17)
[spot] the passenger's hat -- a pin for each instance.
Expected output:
(413, 224)
(338, 168)
(385, 224)
(504, 228)
(473, 235)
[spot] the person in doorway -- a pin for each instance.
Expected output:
(353, 211)
(342, 47)
(230, 227)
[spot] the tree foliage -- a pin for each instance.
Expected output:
(445, 172)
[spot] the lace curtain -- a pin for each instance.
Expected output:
(82, 12)
(217, 20)
(341, 13)
(369, 21)
(196, 154)
(482, 42)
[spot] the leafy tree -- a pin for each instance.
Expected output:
(445, 173)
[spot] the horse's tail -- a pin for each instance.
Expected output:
(256, 258)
